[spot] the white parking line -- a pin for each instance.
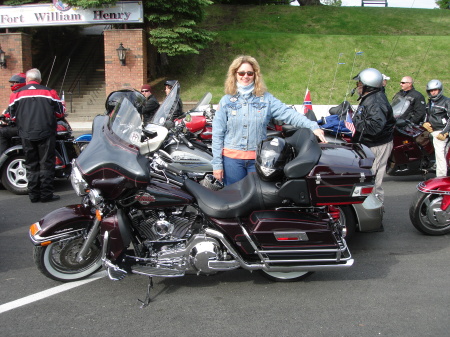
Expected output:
(49, 292)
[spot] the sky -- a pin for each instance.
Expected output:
(398, 3)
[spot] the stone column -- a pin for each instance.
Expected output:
(134, 72)
(17, 47)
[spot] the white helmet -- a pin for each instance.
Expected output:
(370, 77)
(435, 84)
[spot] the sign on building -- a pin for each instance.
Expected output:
(60, 14)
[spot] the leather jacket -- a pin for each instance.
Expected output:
(417, 109)
(438, 114)
(374, 120)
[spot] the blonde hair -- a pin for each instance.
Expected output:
(230, 82)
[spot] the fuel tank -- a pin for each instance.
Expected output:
(185, 158)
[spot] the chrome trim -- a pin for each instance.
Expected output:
(37, 239)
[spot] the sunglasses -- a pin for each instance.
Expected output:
(404, 82)
(242, 73)
(145, 90)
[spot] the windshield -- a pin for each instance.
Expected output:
(125, 121)
(399, 105)
(203, 104)
(167, 108)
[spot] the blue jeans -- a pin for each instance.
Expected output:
(236, 169)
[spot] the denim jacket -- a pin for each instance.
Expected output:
(241, 124)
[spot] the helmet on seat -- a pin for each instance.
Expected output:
(271, 157)
(134, 96)
(371, 79)
(432, 85)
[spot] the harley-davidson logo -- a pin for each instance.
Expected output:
(145, 199)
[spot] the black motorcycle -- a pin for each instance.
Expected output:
(12, 162)
(140, 215)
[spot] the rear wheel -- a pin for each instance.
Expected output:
(427, 216)
(58, 260)
(291, 276)
(14, 175)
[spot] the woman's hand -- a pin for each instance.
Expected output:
(320, 134)
(218, 174)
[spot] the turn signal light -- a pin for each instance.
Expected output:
(361, 191)
(35, 228)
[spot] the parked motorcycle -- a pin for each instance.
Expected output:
(12, 162)
(140, 215)
(430, 208)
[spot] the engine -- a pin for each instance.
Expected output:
(174, 240)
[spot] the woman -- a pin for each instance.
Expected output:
(240, 122)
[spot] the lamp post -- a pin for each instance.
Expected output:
(122, 54)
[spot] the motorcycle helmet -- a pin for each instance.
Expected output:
(435, 84)
(371, 79)
(17, 81)
(271, 156)
(134, 96)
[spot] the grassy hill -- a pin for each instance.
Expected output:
(319, 48)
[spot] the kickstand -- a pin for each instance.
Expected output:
(146, 302)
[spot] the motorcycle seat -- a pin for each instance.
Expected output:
(308, 153)
(235, 200)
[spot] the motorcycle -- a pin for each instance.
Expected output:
(12, 162)
(430, 208)
(412, 152)
(140, 215)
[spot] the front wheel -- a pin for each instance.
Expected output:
(292, 276)
(14, 175)
(58, 260)
(427, 216)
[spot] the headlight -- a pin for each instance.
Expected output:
(78, 183)
(95, 197)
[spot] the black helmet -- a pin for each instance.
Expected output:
(134, 96)
(170, 83)
(435, 84)
(271, 156)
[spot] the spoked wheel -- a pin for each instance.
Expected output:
(14, 175)
(58, 260)
(348, 220)
(427, 216)
(291, 276)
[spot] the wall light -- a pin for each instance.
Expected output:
(2, 59)
(122, 53)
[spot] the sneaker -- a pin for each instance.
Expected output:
(54, 197)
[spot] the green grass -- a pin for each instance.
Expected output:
(299, 47)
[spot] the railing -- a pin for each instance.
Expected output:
(374, 2)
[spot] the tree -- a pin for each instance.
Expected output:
(443, 4)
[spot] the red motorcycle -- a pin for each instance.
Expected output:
(140, 215)
(430, 208)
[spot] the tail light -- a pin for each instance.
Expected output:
(360, 191)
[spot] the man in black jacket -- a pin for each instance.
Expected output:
(151, 105)
(35, 109)
(416, 110)
(374, 122)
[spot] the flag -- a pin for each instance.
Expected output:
(349, 122)
(307, 105)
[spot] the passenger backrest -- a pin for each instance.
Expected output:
(307, 151)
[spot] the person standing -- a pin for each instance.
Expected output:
(374, 123)
(168, 85)
(241, 120)
(35, 109)
(151, 104)
(9, 130)
(437, 123)
(416, 110)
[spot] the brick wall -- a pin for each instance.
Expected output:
(17, 47)
(134, 73)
